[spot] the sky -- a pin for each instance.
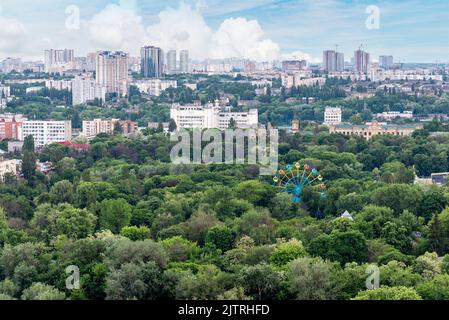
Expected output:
(262, 30)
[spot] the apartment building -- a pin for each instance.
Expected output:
(92, 128)
(46, 132)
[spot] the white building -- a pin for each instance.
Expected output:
(33, 89)
(300, 78)
(211, 116)
(58, 60)
(391, 115)
(58, 84)
(5, 91)
(85, 89)
(154, 87)
(332, 116)
(46, 132)
(9, 166)
(93, 127)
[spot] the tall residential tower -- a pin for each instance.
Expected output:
(112, 71)
(152, 62)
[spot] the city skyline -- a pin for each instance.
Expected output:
(408, 30)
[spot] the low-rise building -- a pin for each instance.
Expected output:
(9, 167)
(391, 115)
(212, 116)
(154, 87)
(332, 116)
(46, 132)
(370, 130)
(92, 128)
(11, 126)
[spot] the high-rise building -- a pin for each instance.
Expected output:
(361, 61)
(112, 71)
(152, 62)
(184, 61)
(54, 57)
(171, 61)
(85, 89)
(340, 60)
(386, 62)
(333, 61)
(329, 60)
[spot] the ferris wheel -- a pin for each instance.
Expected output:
(292, 179)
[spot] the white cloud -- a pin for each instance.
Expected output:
(117, 27)
(299, 55)
(12, 33)
(242, 38)
(182, 28)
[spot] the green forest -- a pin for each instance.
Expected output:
(139, 227)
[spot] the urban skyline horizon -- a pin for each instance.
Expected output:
(410, 31)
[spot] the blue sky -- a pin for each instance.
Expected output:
(412, 31)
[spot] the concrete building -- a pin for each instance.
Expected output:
(386, 62)
(85, 89)
(370, 130)
(154, 87)
(171, 62)
(112, 71)
(55, 59)
(92, 128)
(391, 115)
(361, 61)
(332, 116)
(12, 167)
(211, 116)
(333, 61)
(294, 65)
(152, 62)
(11, 126)
(58, 84)
(46, 132)
(5, 91)
(184, 61)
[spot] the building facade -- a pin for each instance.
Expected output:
(152, 62)
(154, 87)
(85, 89)
(361, 61)
(184, 61)
(46, 132)
(212, 116)
(11, 126)
(55, 59)
(386, 62)
(332, 116)
(373, 129)
(12, 167)
(333, 61)
(171, 61)
(92, 128)
(112, 71)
